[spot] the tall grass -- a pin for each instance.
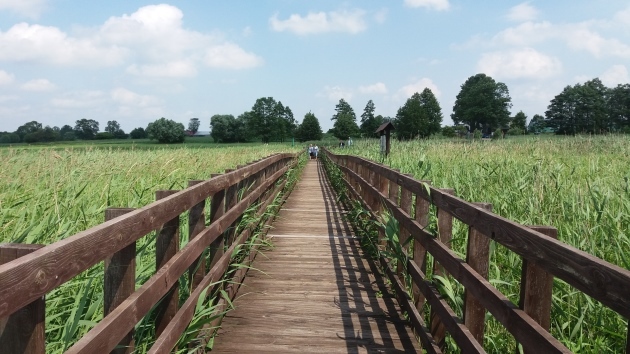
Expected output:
(580, 185)
(49, 194)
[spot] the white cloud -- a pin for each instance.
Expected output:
(35, 43)
(522, 12)
(521, 63)
(381, 15)
(418, 86)
(439, 5)
(585, 39)
(38, 85)
(28, 8)
(8, 98)
(177, 69)
(231, 56)
(81, 99)
(623, 16)
(377, 88)
(126, 97)
(6, 78)
(321, 22)
(335, 93)
(615, 75)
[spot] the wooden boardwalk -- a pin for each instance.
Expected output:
(314, 292)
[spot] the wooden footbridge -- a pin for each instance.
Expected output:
(315, 289)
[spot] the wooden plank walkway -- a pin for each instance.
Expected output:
(314, 291)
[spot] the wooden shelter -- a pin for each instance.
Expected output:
(385, 133)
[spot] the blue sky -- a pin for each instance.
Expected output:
(136, 61)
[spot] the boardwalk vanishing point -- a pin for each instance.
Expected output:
(314, 291)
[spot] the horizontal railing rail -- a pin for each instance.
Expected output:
(31, 276)
(381, 188)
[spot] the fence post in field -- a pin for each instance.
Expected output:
(422, 207)
(404, 234)
(196, 224)
(537, 286)
(24, 330)
(166, 246)
(217, 209)
(445, 234)
(230, 202)
(478, 257)
(120, 279)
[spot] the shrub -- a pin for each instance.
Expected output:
(516, 131)
(69, 136)
(166, 131)
(498, 134)
(104, 136)
(10, 138)
(477, 134)
(449, 132)
(138, 133)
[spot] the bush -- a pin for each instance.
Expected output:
(166, 131)
(449, 132)
(104, 136)
(516, 131)
(477, 134)
(10, 138)
(120, 134)
(138, 133)
(498, 134)
(69, 136)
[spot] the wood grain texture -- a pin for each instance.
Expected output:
(313, 291)
(601, 280)
(33, 275)
(516, 321)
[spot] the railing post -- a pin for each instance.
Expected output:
(166, 246)
(383, 187)
(120, 279)
(24, 330)
(230, 202)
(196, 224)
(445, 234)
(419, 252)
(403, 237)
(217, 209)
(478, 257)
(537, 287)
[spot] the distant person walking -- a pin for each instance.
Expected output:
(311, 151)
(316, 151)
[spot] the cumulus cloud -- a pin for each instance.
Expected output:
(80, 99)
(6, 78)
(585, 39)
(231, 56)
(36, 43)
(377, 88)
(150, 42)
(321, 22)
(521, 63)
(615, 75)
(38, 85)
(418, 86)
(522, 12)
(28, 8)
(335, 93)
(439, 5)
(623, 16)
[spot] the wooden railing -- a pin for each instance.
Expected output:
(29, 272)
(380, 188)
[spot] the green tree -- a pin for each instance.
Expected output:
(138, 133)
(482, 103)
(343, 108)
(9, 138)
(369, 122)
(264, 118)
(86, 129)
(166, 131)
(345, 126)
(310, 129)
(449, 132)
(536, 125)
(193, 125)
(619, 107)
(227, 129)
(419, 117)
(519, 121)
(582, 108)
(113, 128)
(28, 128)
(66, 129)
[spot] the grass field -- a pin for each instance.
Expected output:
(52, 192)
(578, 184)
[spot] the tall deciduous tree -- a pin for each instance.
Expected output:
(86, 129)
(28, 128)
(482, 103)
(227, 129)
(310, 129)
(519, 121)
(537, 124)
(193, 125)
(419, 117)
(264, 118)
(619, 107)
(345, 126)
(582, 108)
(166, 131)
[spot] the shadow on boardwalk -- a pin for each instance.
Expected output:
(314, 291)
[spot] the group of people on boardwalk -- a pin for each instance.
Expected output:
(312, 151)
